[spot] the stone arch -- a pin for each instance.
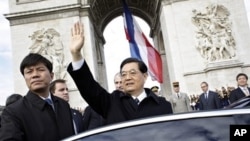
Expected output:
(112, 15)
(170, 24)
(102, 15)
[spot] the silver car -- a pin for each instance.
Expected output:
(216, 125)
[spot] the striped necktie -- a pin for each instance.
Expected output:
(206, 95)
(246, 91)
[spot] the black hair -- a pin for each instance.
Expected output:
(204, 83)
(12, 99)
(33, 59)
(141, 65)
(241, 74)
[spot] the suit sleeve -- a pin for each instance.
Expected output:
(10, 126)
(217, 100)
(232, 96)
(95, 120)
(201, 102)
(96, 96)
(188, 102)
(172, 103)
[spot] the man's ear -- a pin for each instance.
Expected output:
(52, 75)
(145, 75)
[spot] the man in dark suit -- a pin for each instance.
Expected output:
(131, 103)
(91, 119)
(59, 88)
(242, 90)
(208, 99)
(38, 116)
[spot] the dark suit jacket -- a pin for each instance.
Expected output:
(236, 94)
(91, 119)
(118, 106)
(78, 119)
(213, 101)
(32, 119)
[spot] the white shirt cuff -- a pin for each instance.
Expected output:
(77, 65)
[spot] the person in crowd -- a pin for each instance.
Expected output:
(12, 99)
(194, 102)
(155, 89)
(131, 103)
(208, 99)
(230, 89)
(59, 88)
(91, 119)
(224, 98)
(118, 81)
(179, 100)
(242, 90)
(39, 115)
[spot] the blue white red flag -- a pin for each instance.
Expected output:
(140, 47)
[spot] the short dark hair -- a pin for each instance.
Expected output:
(33, 59)
(12, 99)
(52, 85)
(141, 65)
(241, 74)
(204, 82)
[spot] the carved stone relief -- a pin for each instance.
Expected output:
(27, 1)
(48, 43)
(214, 39)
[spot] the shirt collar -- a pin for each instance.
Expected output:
(49, 97)
(242, 88)
(147, 92)
(141, 96)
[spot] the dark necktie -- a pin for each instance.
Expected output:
(49, 101)
(137, 101)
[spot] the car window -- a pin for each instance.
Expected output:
(198, 129)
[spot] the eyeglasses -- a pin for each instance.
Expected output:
(132, 73)
(203, 86)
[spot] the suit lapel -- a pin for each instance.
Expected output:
(241, 93)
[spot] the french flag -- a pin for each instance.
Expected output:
(140, 47)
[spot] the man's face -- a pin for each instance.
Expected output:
(37, 78)
(204, 87)
(118, 83)
(132, 79)
(176, 89)
(61, 90)
(242, 81)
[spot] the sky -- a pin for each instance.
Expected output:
(6, 77)
(116, 49)
(116, 43)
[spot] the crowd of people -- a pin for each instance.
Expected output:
(46, 102)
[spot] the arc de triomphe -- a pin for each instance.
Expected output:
(199, 40)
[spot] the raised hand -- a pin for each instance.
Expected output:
(77, 41)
